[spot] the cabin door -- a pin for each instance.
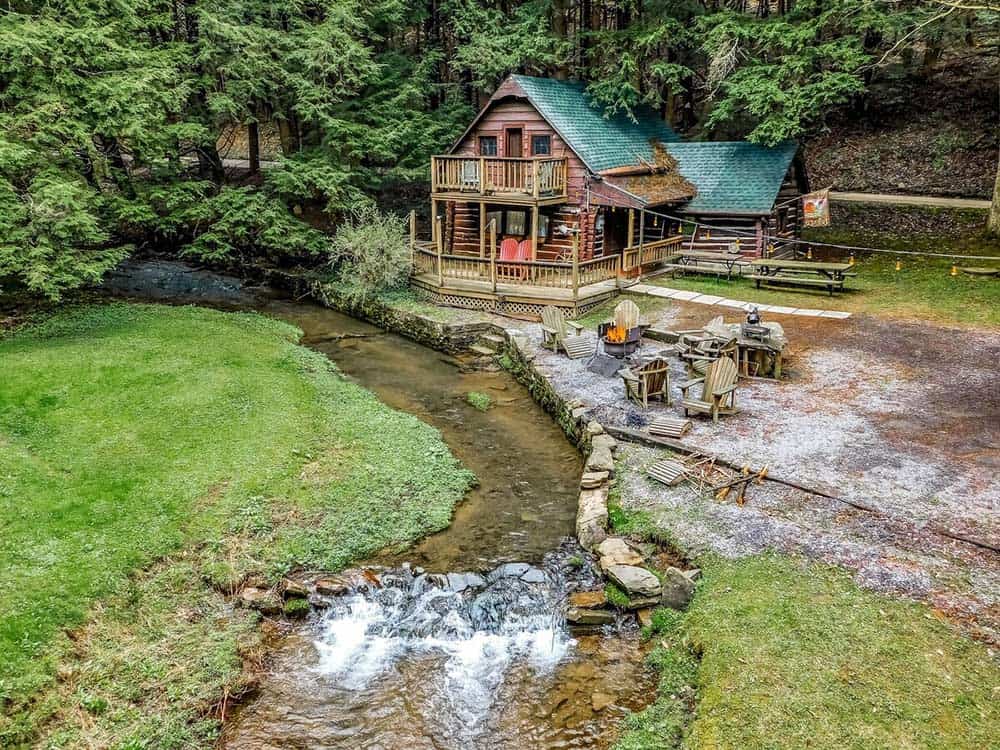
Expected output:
(514, 146)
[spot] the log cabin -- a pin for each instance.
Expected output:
(546, 199)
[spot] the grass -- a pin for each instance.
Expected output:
(605, 311)
(923, 288)
(153, 459)
(782, 653)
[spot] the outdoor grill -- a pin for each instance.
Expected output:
(619, 342)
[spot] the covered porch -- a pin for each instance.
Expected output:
(473, 274)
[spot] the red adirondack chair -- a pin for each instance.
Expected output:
(511, 251)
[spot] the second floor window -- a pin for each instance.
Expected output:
(541, 145)
(487, 145)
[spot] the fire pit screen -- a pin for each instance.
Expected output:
(619, 341)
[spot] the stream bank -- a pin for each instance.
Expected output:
(478, 625)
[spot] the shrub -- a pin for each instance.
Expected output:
(479, 400)
(370, 253)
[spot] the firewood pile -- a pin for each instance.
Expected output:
(708, 477)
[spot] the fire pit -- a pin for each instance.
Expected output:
(619, 341)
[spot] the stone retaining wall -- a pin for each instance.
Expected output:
(451, 338)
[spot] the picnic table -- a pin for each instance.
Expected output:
(688, 260)
(830, 276)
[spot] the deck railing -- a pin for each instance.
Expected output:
(489, 175)
(651, 253)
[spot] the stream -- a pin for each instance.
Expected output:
(462, 643)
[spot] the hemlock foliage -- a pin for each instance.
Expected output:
(111, 113)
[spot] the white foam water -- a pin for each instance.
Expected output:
(469, 630)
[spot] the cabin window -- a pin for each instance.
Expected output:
(496, 216)
(487, 145)
(516, 222)
(541, 145)
(543, 226)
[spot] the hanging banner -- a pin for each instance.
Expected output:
(816, 209)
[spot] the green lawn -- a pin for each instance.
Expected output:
(210, 444)
(775, 652)
(923, 287)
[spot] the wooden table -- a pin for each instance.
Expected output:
(801, 273)
(689, 260)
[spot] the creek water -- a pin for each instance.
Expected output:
(464, 644)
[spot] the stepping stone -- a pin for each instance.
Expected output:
(655, 291)
(669, 426)
(685, 296)
(635, 581)
(807, 312)
(778, 309)
(734, 303)
(668, 472)
(836, 314)
(708, 299)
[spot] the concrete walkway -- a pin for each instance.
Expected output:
(910, 200)
(710, 299)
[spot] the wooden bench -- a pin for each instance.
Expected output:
(829, 276)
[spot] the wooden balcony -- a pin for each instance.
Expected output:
(539, 180)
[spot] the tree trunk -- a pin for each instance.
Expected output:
(253, 146)
(993, 223)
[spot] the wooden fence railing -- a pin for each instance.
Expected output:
(429, 259)
(651, 253)
(490, 175)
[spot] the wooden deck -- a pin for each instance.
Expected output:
(525, 286)
(540, 180)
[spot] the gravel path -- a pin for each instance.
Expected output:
(901, 417)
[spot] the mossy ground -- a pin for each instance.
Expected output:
(153, 459)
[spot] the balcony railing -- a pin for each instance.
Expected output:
(538, 177)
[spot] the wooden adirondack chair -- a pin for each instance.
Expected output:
(555, 335)
(701, 348)
(718, 391)
(627, 315)
(651, 380)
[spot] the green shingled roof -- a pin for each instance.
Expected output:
(601, 142)
(733, 177)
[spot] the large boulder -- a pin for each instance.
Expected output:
(264, 601)
(616, 551)
(677, 589)
(636, 582)
(603, 441)
(593, 479)
(580, 616)
(600, 459)
(587, 599)
(592, 518)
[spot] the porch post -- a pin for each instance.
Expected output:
(642, 237)
(631, 228)
(434, 223)
(413, 237)
(534, 232)
(440, 246)
(534, 177)
(576, 268)
(482, 229)
(493, 254)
